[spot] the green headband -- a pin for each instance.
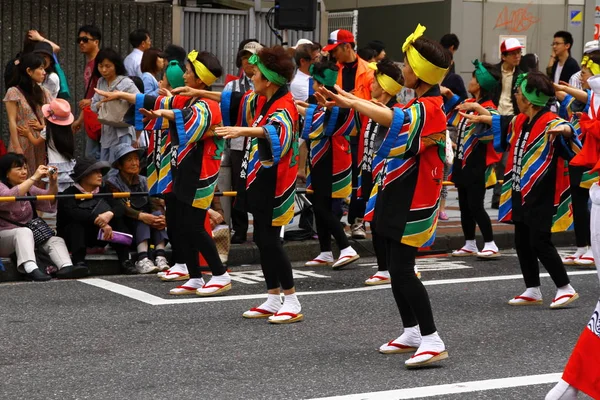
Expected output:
(535, 97)
(483, 76)
(272, 76)
(327, 77)
(174, 74)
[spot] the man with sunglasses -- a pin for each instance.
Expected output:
(561, 65)
(88, 39)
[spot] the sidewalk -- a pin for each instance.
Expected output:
(449, 237)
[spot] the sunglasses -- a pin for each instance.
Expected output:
(83, 39)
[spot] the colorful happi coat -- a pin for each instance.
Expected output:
(328, 133)
(161, 155)
(270, 164)
(196, 149)
(474, 156)
(579, 167)
(536, 181)
(406, 206)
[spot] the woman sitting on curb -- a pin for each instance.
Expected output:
(14, 237)
(144, 215)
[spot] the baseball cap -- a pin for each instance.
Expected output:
(590, 46)
(252, 47)
(301, 41)
(509, 45)
(338, 37)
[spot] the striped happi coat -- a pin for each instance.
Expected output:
(406, 206)
(537, 168)
(197, 149)
(328, 133)
(270, 165)
(475, 156)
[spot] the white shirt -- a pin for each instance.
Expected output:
(301, 86)
(505, 105)
(133, 63)
(52, 84)
(241, 85)
(557, 73)
(575, 80)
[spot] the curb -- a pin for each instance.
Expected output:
(247, 253)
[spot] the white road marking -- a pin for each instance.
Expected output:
(431, 264)
(453, 388)
(253, 277)
(158, 301)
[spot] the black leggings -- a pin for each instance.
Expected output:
(581, 213)
(328, 224)
(410, 294)
(379, 247)
(357, 205)
(532, 244)
(472, 210)
(274, 261)
(193, 238)
(177, 255)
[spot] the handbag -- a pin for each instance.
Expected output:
(90, 120)
(112, 113)
(40, 229)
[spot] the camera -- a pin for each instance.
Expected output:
(52, 170)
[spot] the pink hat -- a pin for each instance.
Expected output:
(58, 112)
(338, 37)
(509, 45)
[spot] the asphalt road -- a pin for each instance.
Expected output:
(121, 337)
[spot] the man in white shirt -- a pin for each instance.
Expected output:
(140, 41)
(305, 56)
(589, 47)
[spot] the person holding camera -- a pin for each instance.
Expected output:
(18, 220)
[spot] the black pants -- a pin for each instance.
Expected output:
(581, 213)
(532, 244)
(328, 224)
(193, 238)
(81, 236)
(500, 167)
(239, 219)
(357, 204)
(177, 255)
(379, 247)
(410, 294)
(274, 261)
(472, 210)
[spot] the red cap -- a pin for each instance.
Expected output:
(510, 44)
(338, 37)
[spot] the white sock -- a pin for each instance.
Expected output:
(490, 246)
(410, 337)
(221, 279)
(325, 256)
(195, 283)
(65, 265)
(273, 303)
(562, 391)
(29, 266)
(567, 289)
(431, 342)
(470, 245)
(533, 292)
(348, 251)
(179, 267)
(383, 274)
(291, 304)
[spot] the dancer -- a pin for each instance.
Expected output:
(406, 210)
(386, 85)
(535, 195)
(268, 172)
(198, 161)
(473, 168)
(328, 132)
(573, 101)
(582, 372)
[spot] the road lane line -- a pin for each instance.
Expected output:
(453, 388)
(158, 301)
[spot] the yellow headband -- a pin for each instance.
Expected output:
(387, 83)
(591, 65)
(203, 73)
(425, 70)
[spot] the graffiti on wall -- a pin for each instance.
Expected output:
(515, 20)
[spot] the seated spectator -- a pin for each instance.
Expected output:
(14, 236)
(79, 221)
(153, 64)
(144, 216)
